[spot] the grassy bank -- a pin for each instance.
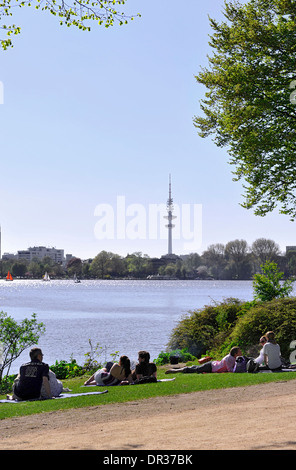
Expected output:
(182, 384)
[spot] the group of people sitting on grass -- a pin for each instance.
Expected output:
(268, 359)
(36, 380)
(121, 373)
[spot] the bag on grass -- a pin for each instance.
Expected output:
(252, 366)
(241, 364)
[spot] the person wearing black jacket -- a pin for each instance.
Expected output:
(144, 368)
(31, 377)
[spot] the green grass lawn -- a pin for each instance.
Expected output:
(184, 383)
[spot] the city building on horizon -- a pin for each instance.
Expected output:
(41, 252)
(290, 248)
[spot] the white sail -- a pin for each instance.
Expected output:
(76, 280)
(46, 277)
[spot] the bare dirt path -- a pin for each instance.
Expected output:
(254, 417)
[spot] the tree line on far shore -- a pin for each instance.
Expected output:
(235, 260)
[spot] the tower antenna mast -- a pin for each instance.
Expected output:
(170, 217)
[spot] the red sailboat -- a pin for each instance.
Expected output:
(9, 277)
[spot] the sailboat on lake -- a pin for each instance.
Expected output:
(9, 277)
(46, 277)
(76, 280)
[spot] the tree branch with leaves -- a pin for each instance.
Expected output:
(75, 13)
(247, 105)
(16, 337)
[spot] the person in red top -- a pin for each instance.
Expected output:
(225, 365)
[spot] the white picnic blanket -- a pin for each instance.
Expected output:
(158, 380)
(62, 395)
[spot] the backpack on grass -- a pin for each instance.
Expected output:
(241, 364)
(252, 366)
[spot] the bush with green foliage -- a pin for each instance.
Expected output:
(243, 324)
(182, 354)
(267, 286)
(64, 369)
(15, 338)
(216, 328)
(278, 315)
(92, 357)
(204, 329)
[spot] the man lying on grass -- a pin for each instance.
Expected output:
(225, 365)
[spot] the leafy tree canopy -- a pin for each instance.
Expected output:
(250, 106)
(16, 337)
(76, 13)
(267, 286)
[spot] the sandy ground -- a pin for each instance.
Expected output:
(255, 417)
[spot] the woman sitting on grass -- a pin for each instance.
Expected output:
(118, 373)
(272, 352)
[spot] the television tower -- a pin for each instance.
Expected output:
(170, 217)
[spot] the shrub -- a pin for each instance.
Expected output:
(64, 370)
(207, 328)
(163, 358)
(7, 383)
(91, 362)
(267, 286)
(215, 329)
(15, 338)
(278, 315)
(183, 356)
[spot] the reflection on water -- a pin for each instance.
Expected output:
(123, 316)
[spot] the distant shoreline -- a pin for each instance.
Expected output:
(125, 279)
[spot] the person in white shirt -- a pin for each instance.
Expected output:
(271, 352)
(260, 358)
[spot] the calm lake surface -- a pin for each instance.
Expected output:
(123, 316)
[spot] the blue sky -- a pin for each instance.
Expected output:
(90, 117)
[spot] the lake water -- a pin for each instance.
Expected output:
(123, 316)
